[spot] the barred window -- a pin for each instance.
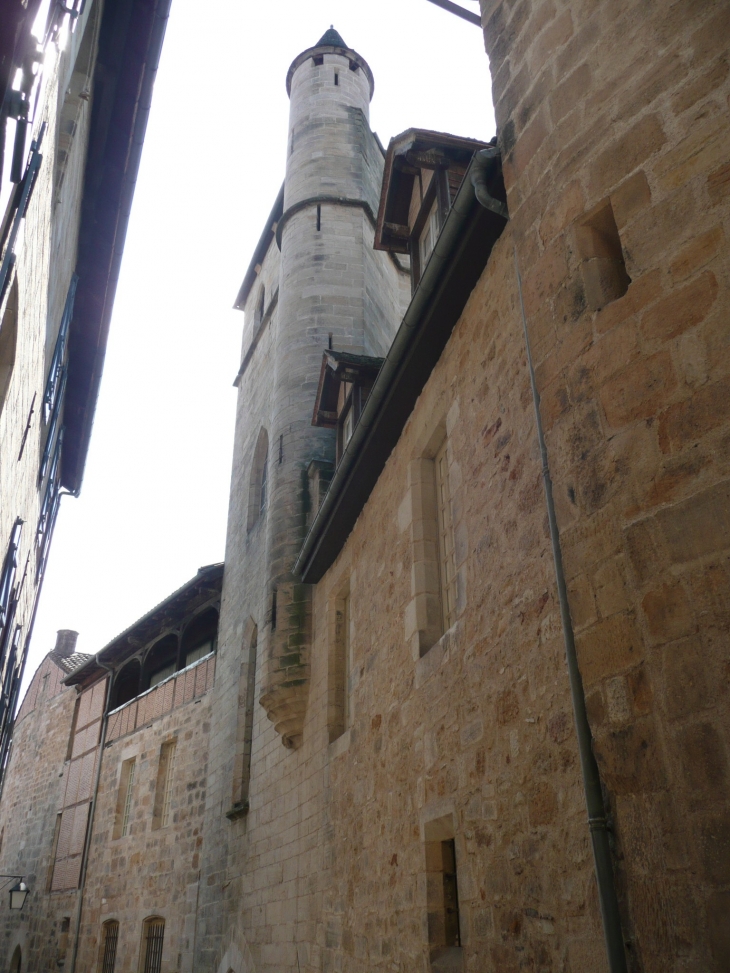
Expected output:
(153, 936)
(108, 951)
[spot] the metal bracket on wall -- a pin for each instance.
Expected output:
(459, 11)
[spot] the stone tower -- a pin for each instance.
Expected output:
(333, 291)
(314, 281)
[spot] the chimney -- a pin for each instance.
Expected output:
(65, 643)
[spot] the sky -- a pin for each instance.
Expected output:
(153, 504)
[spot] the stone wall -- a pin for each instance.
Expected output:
(154, 869)
(46, 257)
(627, 104)
(33, 793)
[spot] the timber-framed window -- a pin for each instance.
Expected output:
(345, 383)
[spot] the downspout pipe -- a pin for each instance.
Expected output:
(482, 162)
(92, 813)
(597, 818)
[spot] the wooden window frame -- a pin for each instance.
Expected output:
(438, 187)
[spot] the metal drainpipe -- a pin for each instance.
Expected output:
(597, 822)
(92, 812)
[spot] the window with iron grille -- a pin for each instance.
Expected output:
(56, 373)
(154, 933)
(108, 951)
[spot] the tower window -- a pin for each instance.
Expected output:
(318, 60)
(337, 77)
(319, 217)
(258, 488)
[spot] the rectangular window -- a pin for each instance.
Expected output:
(444, 934)
(169, 757)
(154, 934)
(124, 799)
(163, 788)
(108, 951)
(340, 665)
(447, 564)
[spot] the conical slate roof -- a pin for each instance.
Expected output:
(331, 38)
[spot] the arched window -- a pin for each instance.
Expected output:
(108, 948)
(8, 342)
(160, 662)
(199, 637)
(126, 684)
(153, 934)
(258, 493)
(16, 961)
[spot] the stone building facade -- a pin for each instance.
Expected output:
(470, 701)
(104, 803)
(75, 82)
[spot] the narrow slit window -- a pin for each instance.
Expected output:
(337, 77)
(163, 792)
(126, 791)
(346, 658)
(264, 483)
(603, 268)
(319, 217)
(108, 952)
(339, 707)
(447, 564)
(442, 895)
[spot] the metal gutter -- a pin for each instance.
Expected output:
(458, 259)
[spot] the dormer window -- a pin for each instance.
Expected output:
(344, 386)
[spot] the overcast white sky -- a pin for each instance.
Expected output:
(154, 501)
